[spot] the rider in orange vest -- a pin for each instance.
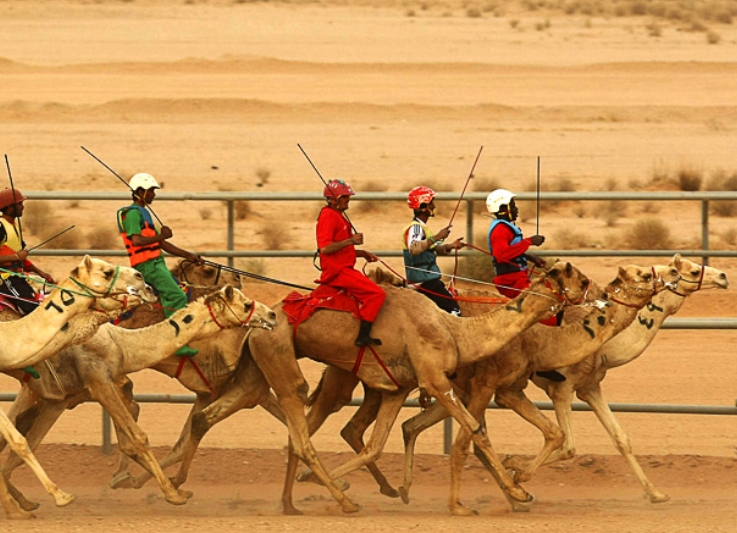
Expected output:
(144, 244)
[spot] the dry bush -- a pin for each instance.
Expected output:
(473, 12)
(252, 265)
(274, 235)
(722, 181)
(650, 207)
(242, 209)
(71, 240)
(263, 175)
(713, 37)
(729, 236)
(648, 234)
(580, 210)
(37, 216)
(477, 267)
(689, 178)
(371, 206)
(568, 239)
(205, 213)
(611, 184)
(612, 211)
(103, 238)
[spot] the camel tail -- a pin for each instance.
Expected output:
(315, 393)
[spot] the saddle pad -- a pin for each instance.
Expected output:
(299, 307)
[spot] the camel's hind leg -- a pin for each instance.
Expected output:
(518, 401)
(411, 429)
(594, 398)
(132, 440)
(19, 445)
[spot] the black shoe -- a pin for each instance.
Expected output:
(552, 375)
(364, 339)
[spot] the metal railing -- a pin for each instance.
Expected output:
(470, 200)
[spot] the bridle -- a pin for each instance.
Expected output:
(107, 293)
(654, 290)
(243, 323)
(698, 283)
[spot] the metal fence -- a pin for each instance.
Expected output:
(702, 199)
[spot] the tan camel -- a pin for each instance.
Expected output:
(76, 307)
(585, 377)
(95, 370)
(534, 350)
(415, 352)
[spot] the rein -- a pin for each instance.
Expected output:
(243, 323)
(626, 304)
(698, 286)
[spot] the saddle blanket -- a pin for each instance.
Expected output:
(299, 307)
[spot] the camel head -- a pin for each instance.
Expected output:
(569, 286)
(206, 275)
(231, 308)
(695, 276)
(111, 288)
(635, 286)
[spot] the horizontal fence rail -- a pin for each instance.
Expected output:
(470, 200)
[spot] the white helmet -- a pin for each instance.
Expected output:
(143, 181)
(497, 199)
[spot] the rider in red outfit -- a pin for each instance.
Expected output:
(336, 243)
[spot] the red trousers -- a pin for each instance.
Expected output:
(368, 293)
(512, 284)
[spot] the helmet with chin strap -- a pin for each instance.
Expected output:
(497, 199)
(10, 197)
(336, 189)
(420, 195)
(143, 181)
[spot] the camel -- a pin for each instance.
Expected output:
(95, 370)
(75, 308)
(415, 353)
(585, 377)
(535, 349)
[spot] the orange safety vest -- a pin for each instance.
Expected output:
(139, 254)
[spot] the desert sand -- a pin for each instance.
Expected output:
(215, 96)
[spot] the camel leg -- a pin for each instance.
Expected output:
(12, 510)
(516, 495)
(132, 440)
(595, 399)
(34, 424)
(562, 396)
(19, 445)
(121, 477)
(518, 401)
(391, 404)
(411, 429)
(354, 431)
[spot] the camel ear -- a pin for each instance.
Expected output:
(569, 269)
(622, 273)
(676, 261)
(228, 291)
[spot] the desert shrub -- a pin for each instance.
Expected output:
(568, 239)
(275, 236)
(650, 207)
(103, 238)
(371, 207)
(713, 37)
(611, 184)
(242, 209)
(580, 210)
(689, 179)
(654, 29)
(648, 234)
(38, 215)
(473, 12)
(729, 236)
(477, 267)
(514, 23)
(723, 181)
(205, 213)
(251, 265)
(73, 204)
(612, 211)
(263, 175)
(70, 240)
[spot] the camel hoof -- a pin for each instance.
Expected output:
(26, 504)
(63, 499)
(341, 484)
(290, 510)
(461, 510)
(18, 514)
(404, 494)
(306, 476)
(350, 507)
(389, 491)
(121, 481)
(659, 497)
(180, 498)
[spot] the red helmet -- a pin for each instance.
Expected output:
(7, 198)
(337, 188)
(420, 195)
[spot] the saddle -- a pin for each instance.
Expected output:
(299, 307)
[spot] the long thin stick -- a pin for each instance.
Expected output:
(12, 190)
(325, 182)
(121, 179)
(470, 175)
(51, 238)
(537, 207)
(255, 276)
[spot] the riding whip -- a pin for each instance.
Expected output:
(12, 189)
(470, 175)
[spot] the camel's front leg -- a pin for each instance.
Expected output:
(595, 399)
(411, 429)
(516, 495)
(19, 445)
(518, 401)
(12, 510)
(34, 424)
(132, 440)
(121, 477)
